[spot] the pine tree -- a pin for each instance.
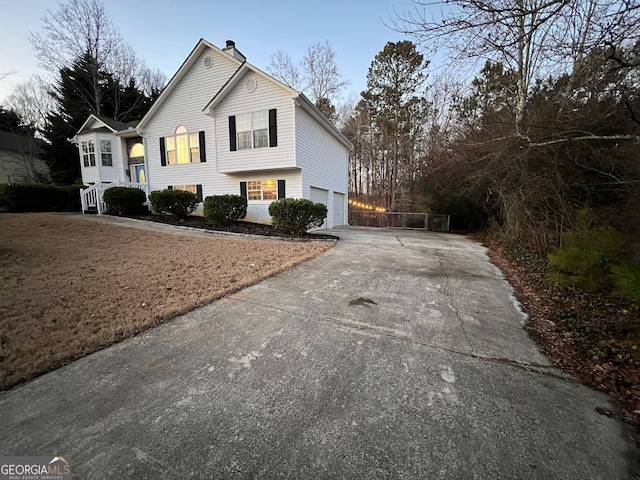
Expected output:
(75, 94)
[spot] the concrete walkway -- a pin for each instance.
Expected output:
(395, 354)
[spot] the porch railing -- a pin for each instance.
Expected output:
(92, 197)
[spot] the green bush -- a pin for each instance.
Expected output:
(34, 197)
(124, 200)
(222, 210)
(587, 255)
(626, 278)
(296, 216)
(175, 202)
(72, 197)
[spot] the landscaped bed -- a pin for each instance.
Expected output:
(71, 287)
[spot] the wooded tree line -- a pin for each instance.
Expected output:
(548, 125)
(93, 70)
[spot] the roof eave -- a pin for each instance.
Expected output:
(315, 112)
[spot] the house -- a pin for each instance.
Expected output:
(222, 126)
(20, 160)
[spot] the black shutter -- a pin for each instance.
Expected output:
(199, 191)
(170, 187)
(281, 193)
(232, 134)
(203, 151)
(273, 128)
(243, 189)
(163, 153)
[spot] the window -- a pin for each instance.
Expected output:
(105, 153)
(137, 150)
(253, 130)
(262, 190)
(197, 189)
(186, 188)
(184, 147)
(89, 153)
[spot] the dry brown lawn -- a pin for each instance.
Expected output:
(71, 287)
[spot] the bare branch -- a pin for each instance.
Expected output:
(282, 68)
(320, 72)
(585, 138)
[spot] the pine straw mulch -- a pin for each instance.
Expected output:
(592, 337)
(71, 287)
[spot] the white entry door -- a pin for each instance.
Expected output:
(318, 195)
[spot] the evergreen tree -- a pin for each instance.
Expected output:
(75, 95)
(395, 102)
(10, 121)
(326, 107)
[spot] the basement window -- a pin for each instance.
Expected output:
(262, 190)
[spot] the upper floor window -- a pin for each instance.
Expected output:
(105, 153)
(89, 153)
(183, 147)
(253, 130)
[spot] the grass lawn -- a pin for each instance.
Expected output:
(71, 287)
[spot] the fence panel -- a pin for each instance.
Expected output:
(421, 221)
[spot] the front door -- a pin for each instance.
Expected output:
(138, 174)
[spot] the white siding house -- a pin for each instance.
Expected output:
(223, 126)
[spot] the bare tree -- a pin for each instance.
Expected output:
(512, 32)
(532, 38)
(32, 101)
(320, 72)
(82, 29)
(76, 28)
(282, 68)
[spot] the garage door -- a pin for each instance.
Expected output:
(338, 209)
(318, 195)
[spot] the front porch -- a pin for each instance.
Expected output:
(92, 200)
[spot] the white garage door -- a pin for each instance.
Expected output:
(338, 209)
(318, 195)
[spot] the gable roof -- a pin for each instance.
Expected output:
(201, 46)
(108, 124)
(300, 97)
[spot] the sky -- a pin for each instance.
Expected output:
(163, 32)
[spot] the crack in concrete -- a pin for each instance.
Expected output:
(547, 370)
(448, 295)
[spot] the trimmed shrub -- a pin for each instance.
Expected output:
(124, 200)
(297, 215)
(34, 197)
(174, 202)
(222, 210)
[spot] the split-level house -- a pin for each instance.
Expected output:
(222, 126)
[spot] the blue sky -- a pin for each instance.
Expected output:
(163, 32)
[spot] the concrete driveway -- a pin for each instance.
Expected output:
(396, 354)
